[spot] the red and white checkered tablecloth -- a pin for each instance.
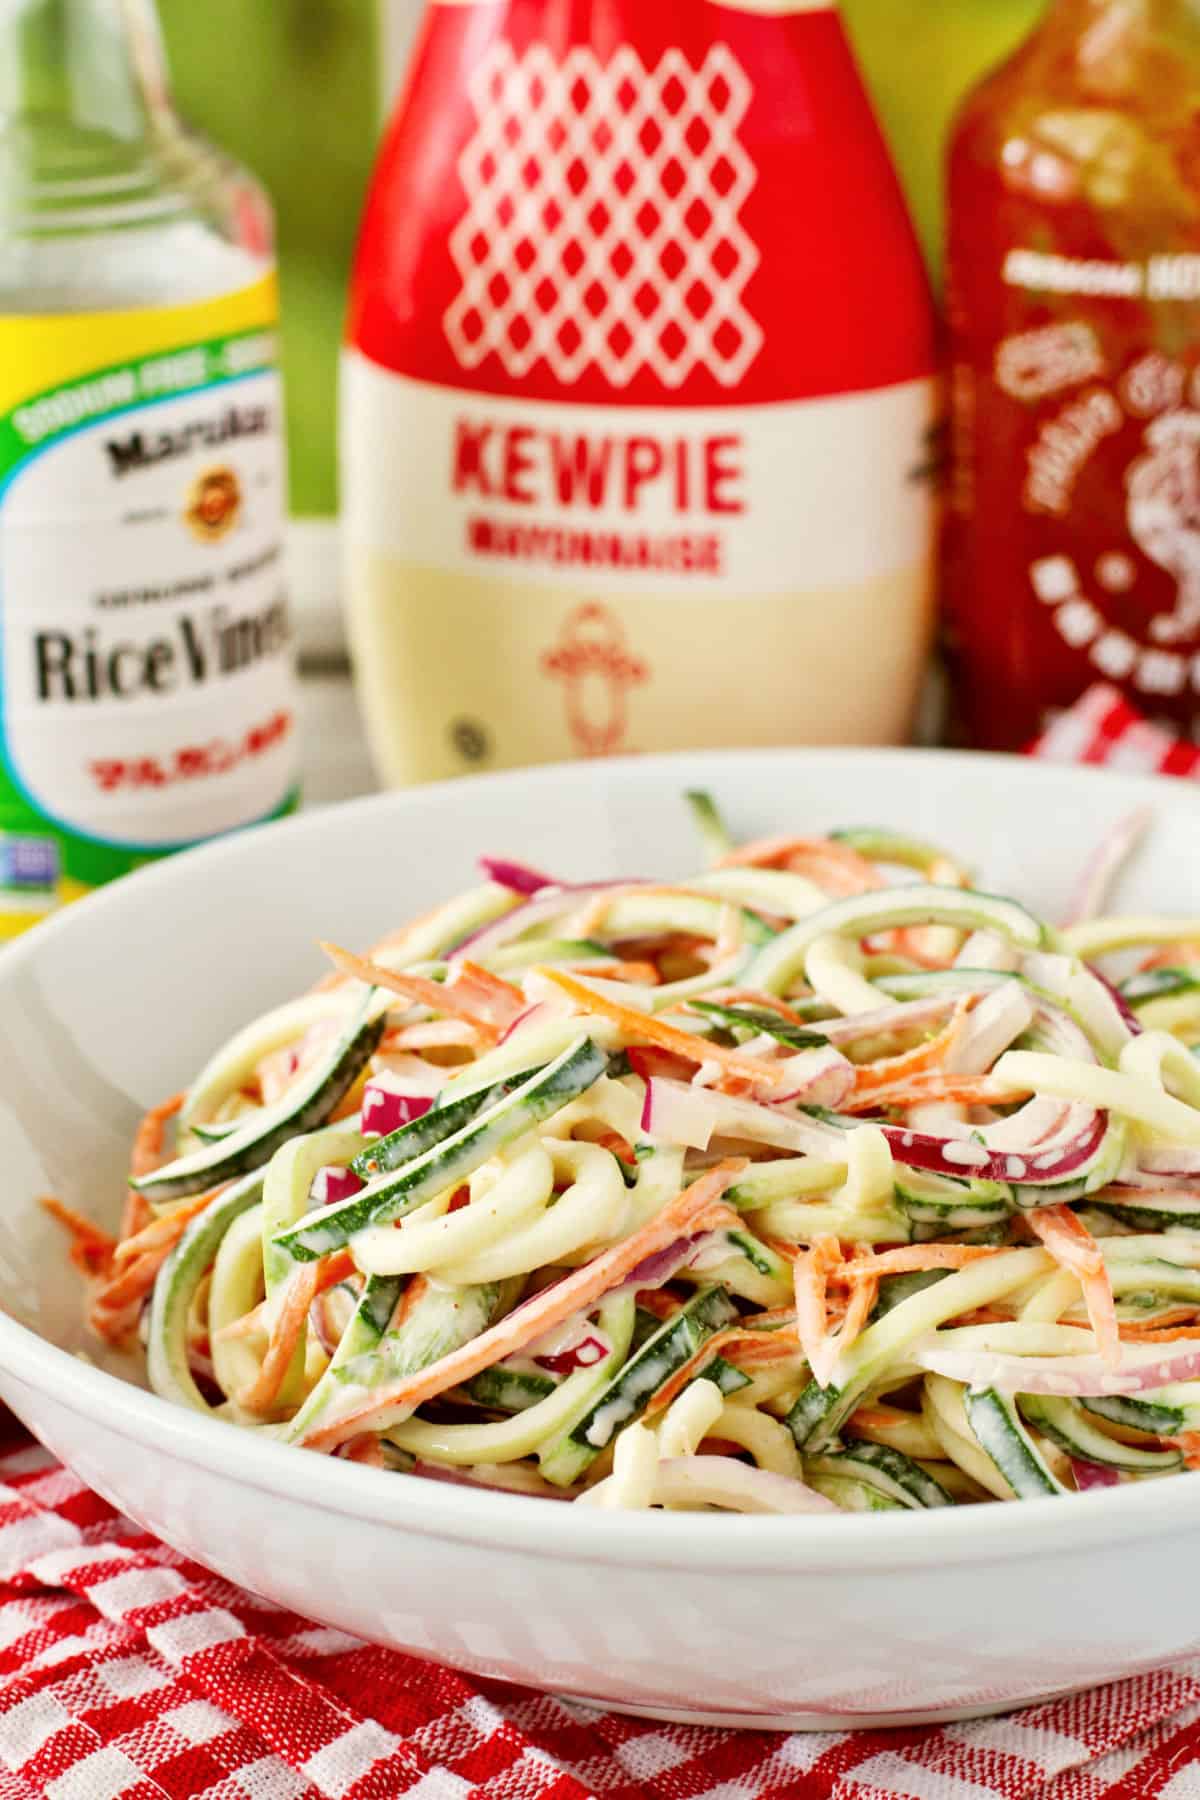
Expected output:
(129, 1673)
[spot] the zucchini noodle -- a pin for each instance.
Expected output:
(567, 1191)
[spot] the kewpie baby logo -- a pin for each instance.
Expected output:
(593, 661)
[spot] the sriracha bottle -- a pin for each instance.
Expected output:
(637, 393)
(1074, 255)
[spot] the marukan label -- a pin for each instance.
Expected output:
(1113, 483)
(614, 444)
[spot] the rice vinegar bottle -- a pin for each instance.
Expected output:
(146, 693)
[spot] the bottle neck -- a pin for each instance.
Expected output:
(96, 65)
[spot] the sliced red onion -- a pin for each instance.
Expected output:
(1177, 1161)
(391, 1100)
(995, 1024)
(987, 950)
(518, 877)
(1143, 1369)
(1038, 1166)
(523, 918)
(725, 1481)
(1079, 987)
(1106, 862)
(816, 1077)
(584, 1354)
(683, 1114)
(332, 1184)
(655, 1271)
(1093, 1475)
(906, 1015)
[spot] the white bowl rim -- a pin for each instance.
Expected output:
(497, 1520)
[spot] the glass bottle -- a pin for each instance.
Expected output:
(145, 667)
(638, 394)
(1074, 292)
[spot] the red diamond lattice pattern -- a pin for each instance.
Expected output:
(602, 226)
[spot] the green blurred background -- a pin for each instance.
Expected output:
(295, 88)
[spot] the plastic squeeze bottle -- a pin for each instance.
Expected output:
(1074, 542)
(638, 392)
(146, 696)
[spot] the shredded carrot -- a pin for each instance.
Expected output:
(649, 1029)
(831, 865)
(810, 1275)
(611, 1140)
(1073, 1247)
(1147, 1334)
(638, 974)
(499, 1000)
(91, 1248)
(163, 1231)
(1189, 1443)
(698, 1208)
(136, 1213)
(863, 1296)
(439, 996)
(114, 1312)
(149, 1145)
(290, 1322)
(898, 1071)
(1170, 956)
(910, 1258)
(964, 1090)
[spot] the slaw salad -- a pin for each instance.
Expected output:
(820, 1181)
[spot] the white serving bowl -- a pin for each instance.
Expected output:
(758, 1621)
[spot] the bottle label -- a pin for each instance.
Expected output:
(532, 580)
(146, 693)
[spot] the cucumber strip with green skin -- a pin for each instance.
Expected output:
(820, 1412)
(412, 1140)
(756, 1021)
(369, 1321)
(1160, 1216)
(1066, 1424)
(1159, 984)
(894, 1474)
(509, 1390)
(724, 1376)
(441, 1320)
(853, 1494)
(931, 1199)
(1001, 1436)
(371, 1352)
(396, 1192)
(510, 1440)
(750, 1269)
(527, 955)
(774, 891)
(642, 914)
(894, 1289)
(229, 1067)
(175, 1287)
(307, 1104)
(287, 1184)
(627, 1394)
(1159, 1418)
(710, 826)
(918, 903)
(879, 845)
(1154, 1282)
